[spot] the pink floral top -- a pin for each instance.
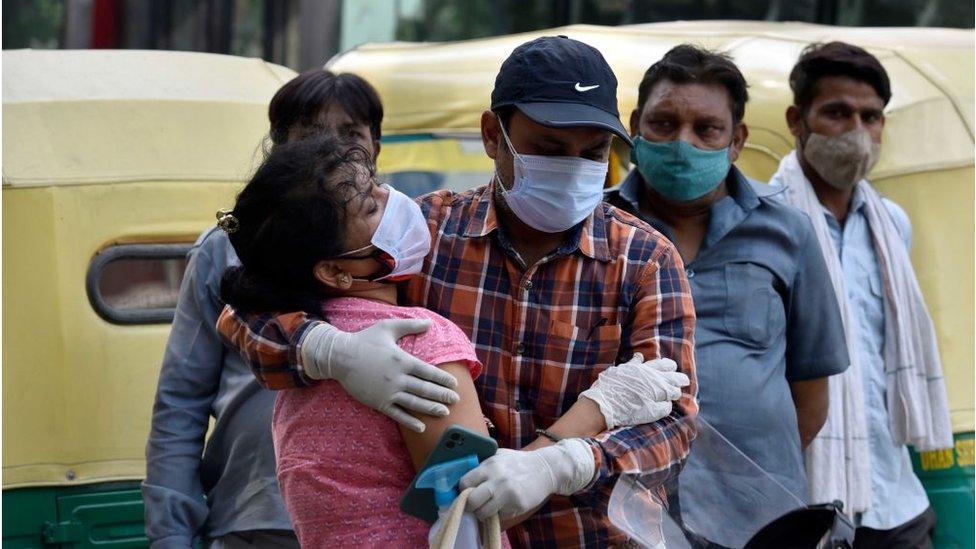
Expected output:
(342, 467)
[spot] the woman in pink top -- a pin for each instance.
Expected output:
(315, 233)
(304, 229)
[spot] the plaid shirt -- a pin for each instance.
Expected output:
(543, 333)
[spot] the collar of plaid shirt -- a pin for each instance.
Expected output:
(590, 237)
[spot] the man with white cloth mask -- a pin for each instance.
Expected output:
(893, 394)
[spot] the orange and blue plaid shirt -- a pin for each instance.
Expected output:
(544, 333)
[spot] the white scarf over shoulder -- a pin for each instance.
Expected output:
(838, 460)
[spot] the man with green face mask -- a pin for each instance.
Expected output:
(769, 329)
(893, 394)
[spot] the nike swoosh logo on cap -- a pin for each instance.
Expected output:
(586, 88)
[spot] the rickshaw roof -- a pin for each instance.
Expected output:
(69, 116)
(444, 87)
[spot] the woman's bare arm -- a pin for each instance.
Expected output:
(466, 412)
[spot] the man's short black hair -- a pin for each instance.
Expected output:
(688, 64)
(302, 99)
(835, 59)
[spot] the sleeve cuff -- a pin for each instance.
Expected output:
(817, 369)
(599, 464)
(298, 358)
(172, 542)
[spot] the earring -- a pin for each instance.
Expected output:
(227, 221)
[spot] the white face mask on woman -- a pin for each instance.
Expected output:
(402, 238)
(844, 160)
(552, 194)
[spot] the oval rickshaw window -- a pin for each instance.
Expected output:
(137, 283)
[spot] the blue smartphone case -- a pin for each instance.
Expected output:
(456, 442)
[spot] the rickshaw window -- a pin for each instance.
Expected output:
(136, 283)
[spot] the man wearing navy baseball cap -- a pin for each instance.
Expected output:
(554, 287)
(576, 286)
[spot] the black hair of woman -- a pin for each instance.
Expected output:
(301, 101)
(290, 216)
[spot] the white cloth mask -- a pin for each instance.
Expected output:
(844, 160)
(402, 238)
(553, 193)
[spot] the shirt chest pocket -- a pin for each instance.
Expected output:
(754, 311)
(870, 289)
(868, 298)
(582, 346)
(573, 358)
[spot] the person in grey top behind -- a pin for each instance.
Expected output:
(226, 493)
(769, 331)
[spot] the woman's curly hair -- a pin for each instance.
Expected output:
(290, 216)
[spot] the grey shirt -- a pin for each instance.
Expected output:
(767, 317)
(192, 491)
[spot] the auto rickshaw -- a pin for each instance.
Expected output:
(434, 95)
(113, 163)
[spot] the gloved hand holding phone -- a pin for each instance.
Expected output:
(514, 482)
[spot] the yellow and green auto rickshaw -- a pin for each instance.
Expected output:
(113, 163)
(434, 95)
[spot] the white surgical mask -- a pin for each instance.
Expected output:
(553, 193)
(402, 237)
(844, 160)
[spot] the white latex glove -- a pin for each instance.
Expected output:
(514, 482)
(375, 371)
(637, 392)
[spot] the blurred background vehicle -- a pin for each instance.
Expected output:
(302, 33)
(114, 161)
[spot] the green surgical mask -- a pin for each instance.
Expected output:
(678, 170)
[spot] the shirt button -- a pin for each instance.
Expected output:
(690, 273)
(520, 348)
(528, 285)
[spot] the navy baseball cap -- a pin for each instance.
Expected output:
(561, 83)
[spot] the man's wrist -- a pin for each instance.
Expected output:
(315, 348)
(578, 467)
(548, 434)
(599, 465)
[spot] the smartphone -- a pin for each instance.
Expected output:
(456, 442)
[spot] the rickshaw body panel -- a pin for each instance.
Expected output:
(85, 383)
(102, 149)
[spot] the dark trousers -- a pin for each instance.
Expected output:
(256, 539)
(914, 534)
